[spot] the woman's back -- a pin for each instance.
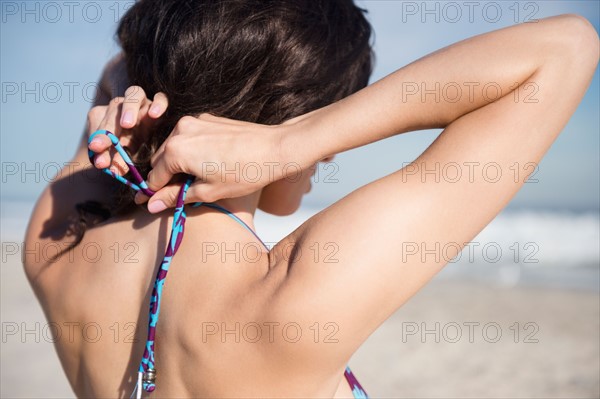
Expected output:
(253, 60)
(218, 336)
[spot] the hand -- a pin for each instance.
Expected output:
(229, 159)
(121, 117)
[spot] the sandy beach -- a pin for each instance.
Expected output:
(456, 338)
(556, 355)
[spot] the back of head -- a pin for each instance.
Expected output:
(261, 61)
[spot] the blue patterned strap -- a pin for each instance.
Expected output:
(140, 184)
(147, 363)
(234, 217)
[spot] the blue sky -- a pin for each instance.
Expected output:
(53, 52)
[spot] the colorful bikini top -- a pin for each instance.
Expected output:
(147, 370)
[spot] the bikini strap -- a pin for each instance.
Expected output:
(147, 369)
(234, 217)
(140, 184)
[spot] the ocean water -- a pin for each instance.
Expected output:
(535, 247)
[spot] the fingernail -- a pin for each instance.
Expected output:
(98, 160)
(127, 118)
(95, 140)
(155, 110)
(156, 206)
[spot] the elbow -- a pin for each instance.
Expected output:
(580, 39)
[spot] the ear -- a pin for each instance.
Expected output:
(262, 199)
(274, 202)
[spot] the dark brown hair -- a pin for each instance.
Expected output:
(262, 61)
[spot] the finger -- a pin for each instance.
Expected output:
(118, 165)
(167, 196)
(172, 142)
(103, 145)
(135, 99)
(164, 198)
(140, 198)
(95, 116)
(183, 125)
(159, 105)
(160, 174)
(100, 144)
(110, 121)
(158, 154)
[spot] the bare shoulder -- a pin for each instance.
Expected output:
(328, 284)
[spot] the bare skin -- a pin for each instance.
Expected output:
(372, 277)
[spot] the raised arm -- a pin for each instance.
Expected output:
(502, 98)
(373, 232)
(55, 208)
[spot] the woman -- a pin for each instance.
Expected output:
(223, 311)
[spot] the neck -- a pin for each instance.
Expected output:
(242, 207)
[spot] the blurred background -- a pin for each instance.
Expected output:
(516, 315)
